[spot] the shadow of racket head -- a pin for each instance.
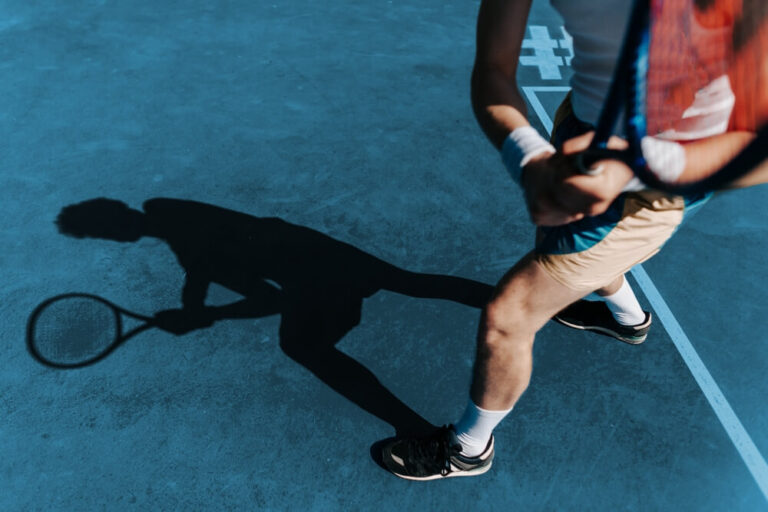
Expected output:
(74, 330)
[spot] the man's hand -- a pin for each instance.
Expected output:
(543, 177)
(557, 193)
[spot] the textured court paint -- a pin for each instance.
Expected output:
(740, 437)
(352, 119)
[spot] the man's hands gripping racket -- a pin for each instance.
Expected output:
(692, 87)
(557, 195)
(78, 329)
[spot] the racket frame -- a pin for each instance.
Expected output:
(120, 337)
(627, 88)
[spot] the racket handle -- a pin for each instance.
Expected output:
(586, 160)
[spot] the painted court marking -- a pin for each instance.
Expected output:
(539, 51)
(736, 431)
(533, 99)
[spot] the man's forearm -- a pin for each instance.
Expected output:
(704, 157)
(498, 105)
(757, 176)
(496, 100)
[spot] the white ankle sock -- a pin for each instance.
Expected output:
(624, 306)
(475, 427)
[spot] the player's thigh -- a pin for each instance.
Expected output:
(527, 297)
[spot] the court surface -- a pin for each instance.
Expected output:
(352, 119)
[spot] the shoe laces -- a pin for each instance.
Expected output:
(433, 454)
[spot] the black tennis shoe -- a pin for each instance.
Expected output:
(595, 316)
(436, 456)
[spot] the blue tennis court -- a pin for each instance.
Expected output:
(325, 159)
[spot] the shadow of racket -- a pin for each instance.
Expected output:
(74, 330)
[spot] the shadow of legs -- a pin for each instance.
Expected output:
(309, 340)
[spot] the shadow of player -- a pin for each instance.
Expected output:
(316, 283)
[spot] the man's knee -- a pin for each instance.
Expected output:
(506, 325)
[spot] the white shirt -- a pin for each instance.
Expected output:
(597, 28)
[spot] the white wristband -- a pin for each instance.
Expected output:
(664, 157)
(522, 145)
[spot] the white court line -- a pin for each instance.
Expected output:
(541, 112)
(736, 431)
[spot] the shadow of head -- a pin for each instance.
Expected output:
(101, 218)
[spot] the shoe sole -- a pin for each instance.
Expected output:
(392, 468)
(474, 472)
(603, 330)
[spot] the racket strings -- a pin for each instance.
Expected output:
(74, 330)
(707, 68)
(685, 58)
(750, 69)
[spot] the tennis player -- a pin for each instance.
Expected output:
(592, 229)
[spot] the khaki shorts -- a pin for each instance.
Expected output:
(591, 253)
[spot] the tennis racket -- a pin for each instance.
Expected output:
(78, 329)
(689, 72)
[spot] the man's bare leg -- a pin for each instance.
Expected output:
(525, 299)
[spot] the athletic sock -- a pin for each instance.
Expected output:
(624, 306)
(475, 427)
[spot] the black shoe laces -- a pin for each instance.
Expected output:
(431, 455)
